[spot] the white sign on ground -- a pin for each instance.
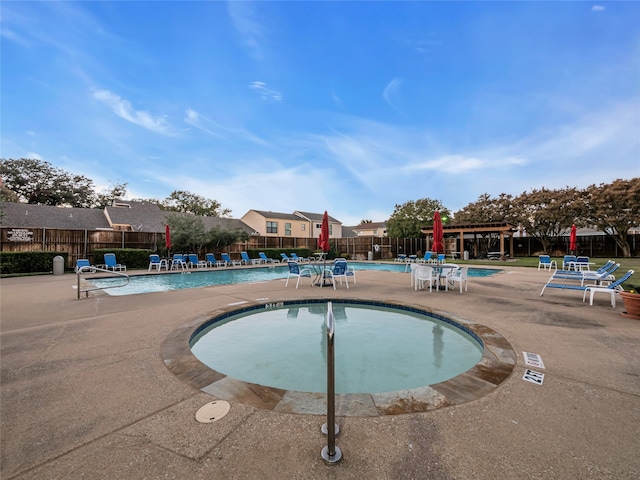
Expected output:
(533, 377)
(533, 359)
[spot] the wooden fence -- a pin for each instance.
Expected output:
(82, 243)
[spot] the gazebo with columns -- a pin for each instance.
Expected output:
(503, 229)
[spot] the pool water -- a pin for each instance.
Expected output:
(162, 282)
(377, 348)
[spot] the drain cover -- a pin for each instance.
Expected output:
(212, 411)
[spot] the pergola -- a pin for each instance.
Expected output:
(504, 229)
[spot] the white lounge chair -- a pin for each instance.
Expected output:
(546, 263)
(112, 264)
(614, 286)
(266, 259)
(212, 261)
(194, 262)
(156, 262)
(227, 260)
(85, 265)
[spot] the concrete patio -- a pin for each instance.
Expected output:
(85, 392)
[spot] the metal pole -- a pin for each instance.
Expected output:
(331, 454)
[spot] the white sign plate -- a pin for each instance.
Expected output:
(533, 377)
(533, 359)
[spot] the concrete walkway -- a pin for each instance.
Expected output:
(85, 392)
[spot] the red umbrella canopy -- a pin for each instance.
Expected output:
(323, 239)
(438, 235)
(572, 238)
(167, 236)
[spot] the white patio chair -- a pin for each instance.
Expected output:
(459, 276)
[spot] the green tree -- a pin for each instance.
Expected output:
(614, 208)
(486, 210)
(219, 237)
(115, 192)
(186, 202)
(547, 214)
(407, 219)
(39, 182)
(189, 234)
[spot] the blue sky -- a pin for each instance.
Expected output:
(350, 107)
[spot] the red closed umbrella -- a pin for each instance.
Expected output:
(323, 239)
(572, 239)
(323, 244)
(438, 235)
(167, 236)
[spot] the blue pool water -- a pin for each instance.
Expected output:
(378, 347)
(161, 282)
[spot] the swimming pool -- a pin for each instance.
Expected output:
(495, 366)
(379, 348)
(162, 282)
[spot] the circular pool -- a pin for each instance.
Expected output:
(389, 358)
(377, 348)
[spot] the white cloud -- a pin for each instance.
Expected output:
(123, 109)
(242, 15)
(390, 91)
(214, 128)
(597, 8)
(194, 119)
(264, 92)
(463, 164)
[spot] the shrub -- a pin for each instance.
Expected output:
(129, 257)
(28, 262)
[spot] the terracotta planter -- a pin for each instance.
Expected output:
(631, 305)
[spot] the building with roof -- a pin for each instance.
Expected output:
(297, 224)
(371, 229)
(119, 216)
(25, 215)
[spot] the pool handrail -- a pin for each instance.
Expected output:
(92, 269)
(331, 454)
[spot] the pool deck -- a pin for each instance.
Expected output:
(85, 391)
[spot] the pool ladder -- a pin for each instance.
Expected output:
(331, 453)
(90, 268)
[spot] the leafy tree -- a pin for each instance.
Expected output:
(186, 202)
(38, 182)
(189, 234)
(486, 210)
(407, 219)
(117, 191)
(7, 195)
(364, 222)
(547, 214)
(614, 208)
(219, 237)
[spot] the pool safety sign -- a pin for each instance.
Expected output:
(533, 360)
(533, 377)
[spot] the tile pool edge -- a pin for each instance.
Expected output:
(495, 366)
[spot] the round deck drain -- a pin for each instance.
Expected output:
(212, 411)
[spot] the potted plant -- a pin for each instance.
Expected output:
(631, 299)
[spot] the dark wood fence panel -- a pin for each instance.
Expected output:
(82, 243)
